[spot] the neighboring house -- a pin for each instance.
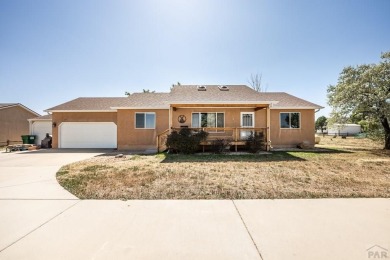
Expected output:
(40, 126)
(344, 129)
(142, 119)
(13, 122)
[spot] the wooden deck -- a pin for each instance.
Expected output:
(237, 136)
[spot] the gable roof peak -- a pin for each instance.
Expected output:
(9, 105)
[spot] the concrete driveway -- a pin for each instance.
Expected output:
(40, 220)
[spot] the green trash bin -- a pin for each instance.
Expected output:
(31, 139)
(25, 139)
(28, 139)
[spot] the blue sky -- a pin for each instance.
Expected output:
(55, 51)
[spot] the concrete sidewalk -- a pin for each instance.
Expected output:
(40, 220)
(256, 229)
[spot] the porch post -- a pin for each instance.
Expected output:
(170, 118)
(235, 138)
(268, 128)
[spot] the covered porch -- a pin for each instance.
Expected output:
(232, 122)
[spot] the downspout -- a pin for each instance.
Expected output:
(170, 118)
(269, 127)
(29, 126)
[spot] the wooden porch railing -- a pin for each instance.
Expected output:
(161, 140)
(236, 135)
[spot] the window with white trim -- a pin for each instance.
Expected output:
(145, 120)
(208, 120)
(247, 119)
(290, 120)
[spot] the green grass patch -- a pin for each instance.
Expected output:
(135, 157)
(305, 155)
(95, 168)
(63, 171)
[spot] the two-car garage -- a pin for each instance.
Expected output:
(87, 135)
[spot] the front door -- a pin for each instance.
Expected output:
(247, 121)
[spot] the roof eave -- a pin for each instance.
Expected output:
(119, 108)
(222, 102)
(39, 119)
(298, 107)
(78, 111)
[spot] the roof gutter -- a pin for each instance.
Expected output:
(281, 108)
(37, 119)
(79, 111)
(119, 108)
(222, 102)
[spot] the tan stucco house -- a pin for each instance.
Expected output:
(142, 120)
(13, 122)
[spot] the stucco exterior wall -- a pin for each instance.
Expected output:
(281, 137)
(232, 116)
(131, 138)
(59, 117)
(13, 123)
(128, 137)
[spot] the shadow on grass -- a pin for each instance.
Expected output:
(65, 150)
(275, 156)
(380, 152)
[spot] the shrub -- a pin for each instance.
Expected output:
(185, 141)
(173, 140)
(255, 142)
(220, 145)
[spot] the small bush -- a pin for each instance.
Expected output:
(173, 140)
(220, 145)
(255, 142)
(185, 141)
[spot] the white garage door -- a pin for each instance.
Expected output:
(40, 129)
(87, 135)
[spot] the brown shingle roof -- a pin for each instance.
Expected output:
(287, 100)
(91, 104)
(145, 100)
(237, 93)
(4, 105)
(187, 94)
(9, 105)
(44, 117)
(190, 93)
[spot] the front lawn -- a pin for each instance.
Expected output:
(341, 168)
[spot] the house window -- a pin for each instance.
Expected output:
(290, 120)
(208, 120)
(247, 119)
(145, 120)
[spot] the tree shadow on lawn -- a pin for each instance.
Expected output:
(275, 156)
(380, 152)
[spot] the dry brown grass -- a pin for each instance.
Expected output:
(349, 168)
